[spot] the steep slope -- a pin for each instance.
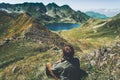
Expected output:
(65, 13)
(5, 20)
(25, 23)
(96, 15)
(25, 37)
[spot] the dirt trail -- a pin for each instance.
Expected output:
(97, 26)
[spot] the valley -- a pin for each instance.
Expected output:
(32, 34)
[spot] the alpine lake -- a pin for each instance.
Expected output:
(61, 26)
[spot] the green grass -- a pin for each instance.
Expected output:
(88, 38)
(18, 49)
(32, 68)
(22, 60)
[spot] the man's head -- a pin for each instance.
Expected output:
(68, 51)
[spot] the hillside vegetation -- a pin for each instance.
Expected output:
(99, 41)
(25, 37)
(101, 64)
(26, 45)
(94, 33)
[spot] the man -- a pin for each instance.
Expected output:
(67, 68)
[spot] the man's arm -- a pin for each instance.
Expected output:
(49, 67)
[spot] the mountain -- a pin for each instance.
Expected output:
(5, 20)
(22, 30)
(112, 26)
(21, 36)
(117, 16)
(36, 10)
(25, 7)
(24, 24)
(28, 46)
(94, 33)
(107, 12)
(49, 13)
(65, 13)
(95, 15)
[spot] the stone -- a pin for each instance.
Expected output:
(92, 62)
(15, 69)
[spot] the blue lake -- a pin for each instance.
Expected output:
(61, 26)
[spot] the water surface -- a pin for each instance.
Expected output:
(61, 26)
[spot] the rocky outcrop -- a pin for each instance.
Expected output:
(105, 60)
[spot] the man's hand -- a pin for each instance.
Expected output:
(49, 67)
(59, 60)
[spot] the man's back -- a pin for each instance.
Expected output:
(67, 69)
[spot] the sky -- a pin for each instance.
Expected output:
(75, 4)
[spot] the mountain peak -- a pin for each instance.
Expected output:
(66, 7)
(52, 5)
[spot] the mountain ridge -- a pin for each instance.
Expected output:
(66, 13)
(40, 10)
(25, 37)
(93, 14)
(25, 23)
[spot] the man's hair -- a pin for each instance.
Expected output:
(68, 51)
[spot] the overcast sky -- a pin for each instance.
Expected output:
(75, 4)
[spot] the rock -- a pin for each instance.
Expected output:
(56, 48)
(118, 63)
(11, 38)
(15, 69)
(118, 45)
(92, 62)
(117, 37)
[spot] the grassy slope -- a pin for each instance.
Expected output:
(87, 37)
(32, 68)
(22, 23)
(16, 49)
(28, 38)
(5, 21)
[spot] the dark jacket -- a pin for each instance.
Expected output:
(67, 69)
